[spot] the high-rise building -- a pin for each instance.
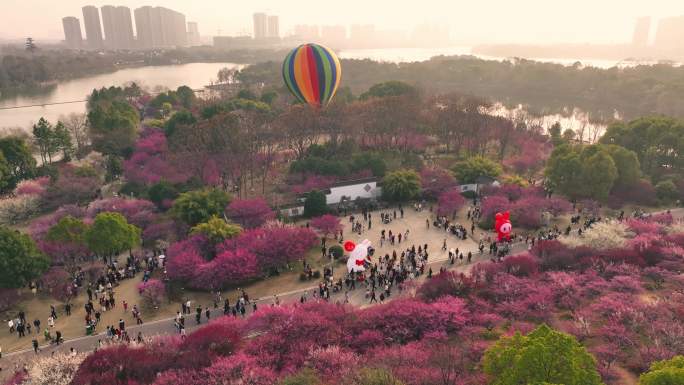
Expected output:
(334, 35)
(118, 27)
(126, 24)
(273, 27)
(72, 32)
(260, 25)
(159, 27)
(641, 32)
(193, 34)
(93, 28)
(147, 24)
(307, 32)
(670, 34)
(360, 33)
(110, 26)
(430, 35)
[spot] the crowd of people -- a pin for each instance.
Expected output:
(382, 276)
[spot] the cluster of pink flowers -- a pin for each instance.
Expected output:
(33, 186)
(138, 212)
(525, 204)
(599, 294)
(149, 163)
(244, 258)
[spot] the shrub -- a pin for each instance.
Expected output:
(446, 283)
(56, 369)
(554, 255)
(152, 293)
(229, 268)
(601, 236)
(406, 320)
(521, 265)
(332, 362)
(219, 338)
(121, 365)
(336, 251)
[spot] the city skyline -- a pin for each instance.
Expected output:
(155, 27)
(610, 21)
(160, 27)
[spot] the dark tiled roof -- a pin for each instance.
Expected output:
(354, 182)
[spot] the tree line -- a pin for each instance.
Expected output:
(544, 88)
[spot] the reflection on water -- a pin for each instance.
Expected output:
(576, 120)
(195, 75)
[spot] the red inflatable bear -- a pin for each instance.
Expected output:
(503, 226)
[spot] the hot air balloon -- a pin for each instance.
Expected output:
(312, 73)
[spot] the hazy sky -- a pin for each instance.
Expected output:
(473, 21)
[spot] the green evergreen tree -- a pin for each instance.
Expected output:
(20, 259)
(543, 356)
(315, 204)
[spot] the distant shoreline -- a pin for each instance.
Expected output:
(617, 52)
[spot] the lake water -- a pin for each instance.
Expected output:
(195, 75)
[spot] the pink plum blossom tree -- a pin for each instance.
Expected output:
(449, 202)
(436, 180)
(327, 224)
(152, 293)
(250, 213)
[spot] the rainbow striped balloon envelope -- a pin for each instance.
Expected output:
(312, 72)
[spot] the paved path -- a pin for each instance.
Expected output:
(166, 326)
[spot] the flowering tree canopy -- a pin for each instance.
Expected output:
(327, 224)
(450, 202)
(250, 213)
(435, 180)
(152, 292)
